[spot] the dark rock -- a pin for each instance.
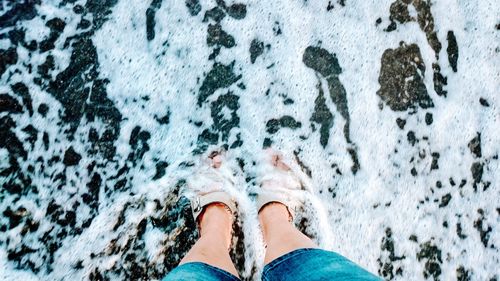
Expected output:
(463, 274)
(432, 256)
(273, 125)
(426, 22)
(277, 28)
(414, 172)
(92, 197)
(193, 6)
(69, 219)
(165, 120)
(218, 37)
(9, 104)
(462, 183)
(475, 145)
(222, 125)
(216, 14)
(32, 134)
(439, 80)
(237, 143)
(327, 65)
(17, 37)
(256, 49)
(160, 169)
(71, 157)
(84, 24)
(445, 200)
(267, 143)
(452, 50)
(15, 217)
(78, 9)
(237, 11)
(220, 76)
(392, 26)
(72, 87)
(412, 139)
(401, 79)
(321, 61)
(21, 11)
(459, 231)
(323, 117)
(435, 161)
(401, 123)
(399, 12)
(45, 68)
(439, 184)
(21, 90)
(214, 53)
(484, 102)
(355, 160)
(150, 19)
(413, 238)
(330, 7)
(483, 229)
(100, 10)
(387, 268)
(452, 182)
(7, 57)
(477, 171)
(428, 118)
(205, 139)
(56, 26)
(139, 144)
(45, 140)
(9, 140)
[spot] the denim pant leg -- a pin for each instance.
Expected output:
(198, 271)
(314, 264)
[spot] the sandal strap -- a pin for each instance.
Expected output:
(201, 201)
(265, 198)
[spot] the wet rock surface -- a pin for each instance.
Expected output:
(106, 107)
(402, 79)
(327, 65)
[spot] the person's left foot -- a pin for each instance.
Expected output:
(213, 207)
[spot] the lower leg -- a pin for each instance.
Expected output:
(215, 239)
(280, 235)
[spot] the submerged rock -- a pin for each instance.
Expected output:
(326, 65)
(401, 79)
(452, 50)
(323, 117)
(220, 76)
(256, 49)
(274, 125)
(193, 6)
(150, 19)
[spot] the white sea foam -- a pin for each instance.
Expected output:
(169, 70)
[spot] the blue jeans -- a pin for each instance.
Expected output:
(302, 264)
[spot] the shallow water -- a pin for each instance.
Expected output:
(391, 109)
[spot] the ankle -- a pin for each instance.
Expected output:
(216, 221)
(274, 218)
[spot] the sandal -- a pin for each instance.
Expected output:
(209, 185)
(279, 183)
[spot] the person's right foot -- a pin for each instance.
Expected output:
(278, 182)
